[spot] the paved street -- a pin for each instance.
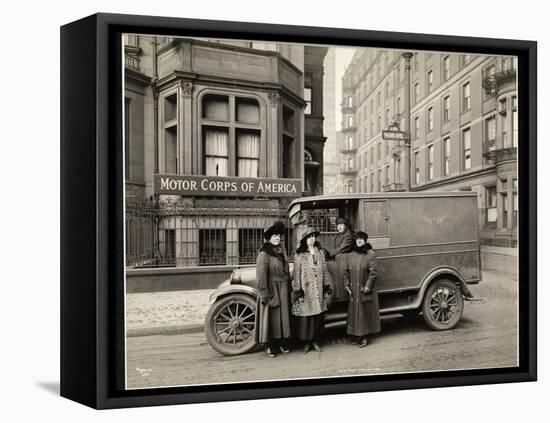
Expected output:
(485, 337)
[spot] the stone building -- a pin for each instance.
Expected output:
(221, 135)
(463, 129)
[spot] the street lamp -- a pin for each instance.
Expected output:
(401, 137)
(407, 143)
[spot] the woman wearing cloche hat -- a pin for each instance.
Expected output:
(273, 305)
(360, 282)
(310, 288)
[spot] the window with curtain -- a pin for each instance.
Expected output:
(430, 162)
(430, 119)
(231, 145)
(491, 204)
(466, 104)
(215, 146)
(467, 149)
(307, 98)
(446, 156)
(446, 108)
(248, 154)
(446, 67)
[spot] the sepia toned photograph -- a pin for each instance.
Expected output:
(297, 211)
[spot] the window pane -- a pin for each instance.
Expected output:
(466, 142)
(248, 151)
(168, 246)
(170, 107)
(307, 98)
(250, 241)
(212, 247)
(248, 110)
(289, 123)
(216, 107)
(215, 145)
(170, 150)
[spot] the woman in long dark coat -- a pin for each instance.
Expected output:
(310, 287)
(343, 244)
(360, 282)
(273, 305)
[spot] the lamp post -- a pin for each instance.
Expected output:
(407, 111)
(402, 149)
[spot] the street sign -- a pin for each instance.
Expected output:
(395, 136)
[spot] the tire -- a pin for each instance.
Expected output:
(230, 324)
(443, 305)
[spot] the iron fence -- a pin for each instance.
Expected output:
(179, 234)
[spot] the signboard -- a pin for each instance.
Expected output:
(395, 136)
(222, 186)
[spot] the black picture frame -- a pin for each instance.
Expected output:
(92, 262)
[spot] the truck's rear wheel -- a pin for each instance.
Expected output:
(443, 305)
(230, 324)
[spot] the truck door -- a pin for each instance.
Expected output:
(376, 223)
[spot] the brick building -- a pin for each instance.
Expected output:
(463, 129)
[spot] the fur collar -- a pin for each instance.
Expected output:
(363, 249)
(273, 251)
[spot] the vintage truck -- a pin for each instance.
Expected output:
(427, 245)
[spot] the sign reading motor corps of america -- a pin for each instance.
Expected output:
(222, 186)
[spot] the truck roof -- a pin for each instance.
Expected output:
(381, 195)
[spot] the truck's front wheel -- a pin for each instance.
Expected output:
(229, 324)
(443, 305)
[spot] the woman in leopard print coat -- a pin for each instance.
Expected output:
(310, 287)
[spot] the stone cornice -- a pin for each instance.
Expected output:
(214, 80)
(175, 43)
(136, 76)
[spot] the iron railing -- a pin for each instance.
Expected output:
(179, 234)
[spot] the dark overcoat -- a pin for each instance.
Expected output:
(343, 244)
(363, 309)
(273, 277)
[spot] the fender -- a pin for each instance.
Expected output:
(426, 280)
(434, 273)
(232, 289)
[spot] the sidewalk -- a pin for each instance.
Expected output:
(499, 259)
(175, 312)
(163, 313)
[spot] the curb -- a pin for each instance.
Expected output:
(165, 330)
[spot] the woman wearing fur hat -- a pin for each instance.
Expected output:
(310, 287)
(343, 244)
(360, 278)
(273, 305)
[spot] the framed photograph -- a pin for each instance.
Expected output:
(258, 211)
